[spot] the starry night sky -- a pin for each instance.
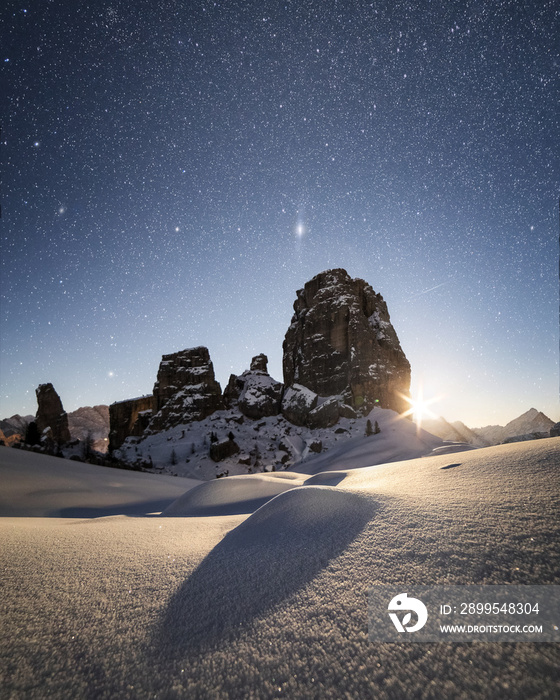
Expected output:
(174, 171)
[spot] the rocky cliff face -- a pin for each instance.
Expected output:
(128, 418)
(260, 363)
(185, 390)
(51, 414)
(11, 439)
(341, 342)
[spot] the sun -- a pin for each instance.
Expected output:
(420, 407)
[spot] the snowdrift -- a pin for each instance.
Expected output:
(236, 494)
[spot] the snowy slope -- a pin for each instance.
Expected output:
(399, 439)
(41, 486)
(274, 444)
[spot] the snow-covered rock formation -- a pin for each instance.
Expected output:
(255, 392)
(342, 359)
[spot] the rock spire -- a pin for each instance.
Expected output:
(341, 342)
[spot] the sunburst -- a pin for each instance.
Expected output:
(420, 407)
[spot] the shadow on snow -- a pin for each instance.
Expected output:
(266, 559)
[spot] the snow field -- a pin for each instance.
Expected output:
(274, 604)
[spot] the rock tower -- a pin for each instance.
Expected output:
(51, 414)
(341, 342)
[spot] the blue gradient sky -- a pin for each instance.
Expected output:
(173, 172)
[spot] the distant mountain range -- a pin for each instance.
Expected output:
(530, 425)
(87, 419)
(92, 420)
(13, 429)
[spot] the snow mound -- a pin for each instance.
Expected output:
(309, 509)
(233, 495)
(261, 563)
(326, 479)
(192, 608)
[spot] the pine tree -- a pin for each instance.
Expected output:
(376, 429)
(369, 429)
